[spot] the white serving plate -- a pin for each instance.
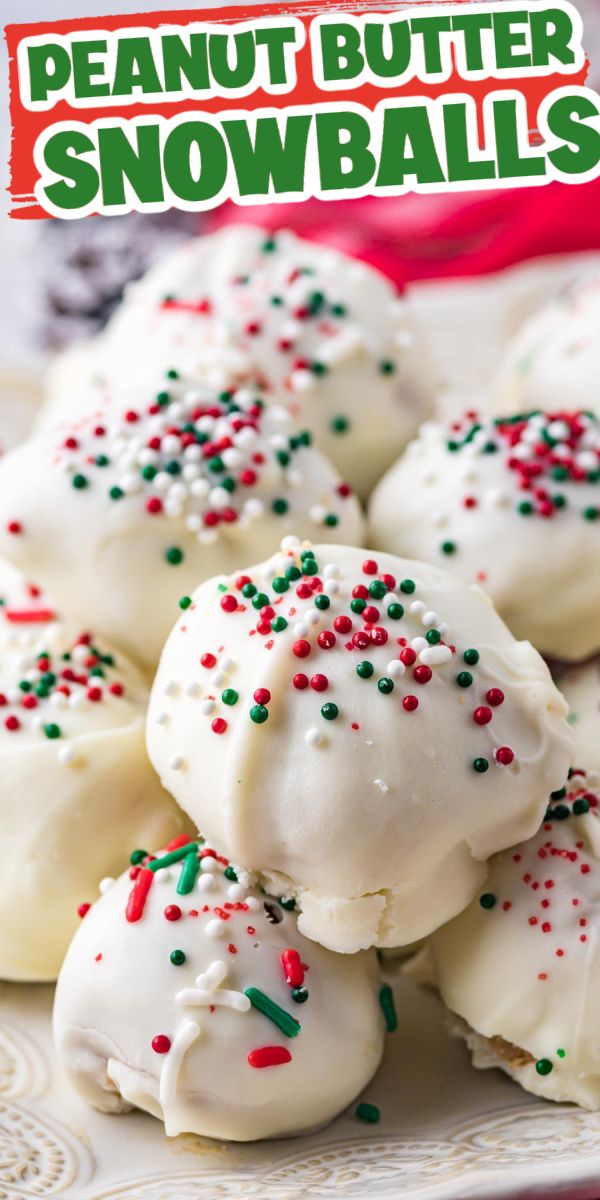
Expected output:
(447, 1132)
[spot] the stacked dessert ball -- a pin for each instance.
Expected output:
(343, 745)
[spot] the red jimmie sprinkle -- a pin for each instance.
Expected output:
(138, 895)
(182, 839)
(83, 909)
(293, 969)
(31, 616)
(269, 1056)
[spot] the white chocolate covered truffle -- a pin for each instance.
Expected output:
(121, 519)
(513, 505)
(75, 781)
(363, 732)
(580, 686)
(191, 994)
(520, 966)
(554, 361)
(326, 335)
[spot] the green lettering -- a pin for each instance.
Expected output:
(179, 62)
(84, 69)
(408, 147)
(341, 54)
(348, 162)
(566, 119)
(507, 39)
(241, 72)
(393, 64)
(135, 68)
(49, 70)
(551, 33)
(471, 26)
(79, 183)
(206, 144)
(271, 163)
(139, 164)
(431, 28)
(276, 40)
(511, 164)
(461, 167)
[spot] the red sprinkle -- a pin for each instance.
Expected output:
(262, 695)
(319, 683)
(173, 912)
(301, 648)
(161, 1044)
(504, 756)
(482, 715)
(409, 703)
(138, 894)
(229, 603)
(83, 909)
(266, 1056)
(219, 725)
(293, 969)
(208, 661)
(300, 681)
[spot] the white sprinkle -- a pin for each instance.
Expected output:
(254, 507)
(218, 678)
(236, 892)
(227, 664)
(312, 616)
(216, 928)
(176, 762)
(300, 629)
(209, 863)
(395, 669)
(313, 737)
(433, 656)
(105, 884)
(164, 876)
(162, 717)
(290, 542)
(382, 785)
(253, 903)
(417, 607)
(171, 688)
(207, 707)
(193, 688)
(317, 514)
(429, 619)
(66, 756)
(206, 883)
(419, 643)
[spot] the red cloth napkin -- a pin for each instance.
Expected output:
(427, 237)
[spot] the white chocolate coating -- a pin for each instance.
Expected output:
(554, 362)
(527, 969)
(580, 686)
(75, 781)
(119, 989)
(456, 498)
(121, 519)
(370, 813)
(326, 335)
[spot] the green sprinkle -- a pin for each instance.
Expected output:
(174, 856)
(448, 547)
(433, 636)
(322, 601)
(471, 657)
(101, 460)
(137, 856)
(407, 586)
(185, 602)
(172, 373)
(259, 714)
(590, 514)
(278, 624)
(283, 458)
(299, 994)
(280, 506)
(319, 368)
(357, 605)
(480, 765)
(231, 874)
(525, 508)
(580, 806)
(310, 567)
(560, 474)
(488, 900)
(216, 464)
(163, 398)
(269, 245)
(260, 600)
(79, 482)
(385, 685)
(280, 584)
(331, 520)
(388, 1008)
(189, 871)
(543, 1066)
(339, 425)
(116, 493)
(288, 903)
(177, 957)
(377, 589)
(364, 670)
(387, 367)
(339, 310)
(174, 556)
(52, 731)
(561, 1053)
(248, 591)
(464, 679)
(395, 611)
(368, 1112)
(229, 696)
(559, 794)
(287, 1024)
(330, 711)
